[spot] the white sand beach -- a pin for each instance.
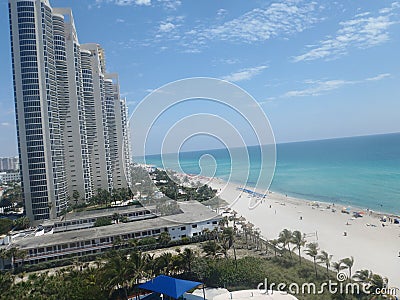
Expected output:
(373, 246)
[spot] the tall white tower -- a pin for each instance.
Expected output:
(94, 90)
(40, 142)
(71, 124)
(72, 113)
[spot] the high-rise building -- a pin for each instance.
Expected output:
(126, 149)
(94, 90)
(39, 137)
(117, 124)
(9, 163)
(71, 102)
(71, 124)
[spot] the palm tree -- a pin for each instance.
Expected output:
(76, 196)
(123, 194)
(378, 282)
(3, 255)
(247, 233)
(116, 273)
(274, 244)
(215, 234)
(139, 264)
(165, 263)
(348, 262)
(223, 222)
(337, 266)
(117, 242)
(285, 237)
(164, 238)
(312, 250)
(299, 241)
(229, 236)
(103, 196)
(363, 276)
(206, 232)
(326, 259)
(13, 253)
(257, 238)
(116, 195)
(133, 243)
(116, 217)
(21, 223)
(188, 255)
(211, 248)
(21, 254)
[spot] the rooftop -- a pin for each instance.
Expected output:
(97, 213)
(192, 212)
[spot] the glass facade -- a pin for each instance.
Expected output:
(67, 128)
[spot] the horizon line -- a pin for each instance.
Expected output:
(280, 143)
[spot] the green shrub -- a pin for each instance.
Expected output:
(102, 221)
(5, 225)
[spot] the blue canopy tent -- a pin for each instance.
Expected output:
(170, 286)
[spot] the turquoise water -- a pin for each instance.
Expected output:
(357, 171)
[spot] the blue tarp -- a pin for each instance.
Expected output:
(169, 286)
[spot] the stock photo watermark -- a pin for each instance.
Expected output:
(341, 286)
(235, 120)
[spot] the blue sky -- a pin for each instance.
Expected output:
(319, 69)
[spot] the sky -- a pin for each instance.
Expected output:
(320, 69)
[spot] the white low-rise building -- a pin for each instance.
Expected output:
(193, 219)
(10, 176)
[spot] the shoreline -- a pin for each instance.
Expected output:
(374, 247)
(377, 213)
(326, 202)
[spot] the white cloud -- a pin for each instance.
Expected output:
(120, 20)
(169, 24)
(361, 32)
(170, 4)
(192, 50)
(319, 87)
(244, 74)
(379, 77)
(5, 124)
(258, 25)
(125, 2)
(221, 13)
(143, 2)
(229, 61)
(166, 27)
(255, 26)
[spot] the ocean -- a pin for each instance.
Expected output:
(357, 171)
